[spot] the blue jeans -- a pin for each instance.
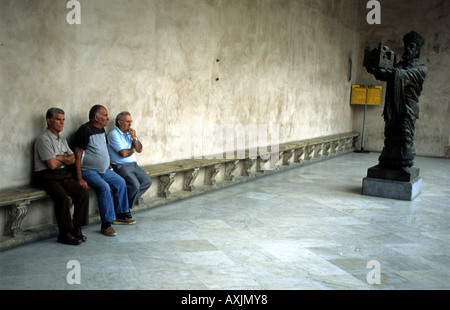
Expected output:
(103, 184)
(138, 182)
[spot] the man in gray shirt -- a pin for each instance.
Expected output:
(52, 158)
(93, 168)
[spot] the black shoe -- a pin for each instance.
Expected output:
(68, 238)
(129, 215)
(78, 234)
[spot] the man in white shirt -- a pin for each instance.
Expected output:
(122, 146)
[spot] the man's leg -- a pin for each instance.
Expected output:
(103, 191)
(62, 210)
(80, 200)
(132, 183)
(144, 180)
(119, 188)
(138, 182)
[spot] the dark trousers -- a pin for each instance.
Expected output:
(60, 186)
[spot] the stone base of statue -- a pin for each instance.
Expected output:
(387, 183)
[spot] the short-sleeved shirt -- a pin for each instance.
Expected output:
(48, 146)
(93, 141)
(117, 141)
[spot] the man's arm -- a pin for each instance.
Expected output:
(59, 160)
(127, 152)
(78, 154)
(136, 145)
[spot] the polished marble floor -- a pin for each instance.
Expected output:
(306, 228)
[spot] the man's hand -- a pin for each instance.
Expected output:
(132, 132)
(78, 154)
(68, 159)
(83, 183)
(136, 144)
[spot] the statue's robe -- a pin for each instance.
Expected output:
(400, 113)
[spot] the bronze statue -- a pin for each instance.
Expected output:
(404, 86)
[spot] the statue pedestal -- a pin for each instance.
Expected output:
(386, 183)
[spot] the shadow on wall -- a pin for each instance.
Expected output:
(447, 151)
(39, 124)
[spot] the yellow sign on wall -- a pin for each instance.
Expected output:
(366, 95)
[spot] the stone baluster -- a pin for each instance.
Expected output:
(334, 147)
(309, 152)
(318, 150)
(165, 181)
(189, 178)
(247, 165)
(287, 155)
(326, 149)
(210, 174)
(299, 153)
(354, 140)
(16, 214)
(230, 167)
(341, 145)
(348, 143)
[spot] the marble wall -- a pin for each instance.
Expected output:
(178, 66)
(431, 19)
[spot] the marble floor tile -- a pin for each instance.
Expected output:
(307, 228)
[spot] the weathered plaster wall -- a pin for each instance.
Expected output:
(431, 19)
(280, 62)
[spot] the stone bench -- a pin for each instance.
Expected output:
(190, 168)
(317, 148)
(16, 202)
(252, 164)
